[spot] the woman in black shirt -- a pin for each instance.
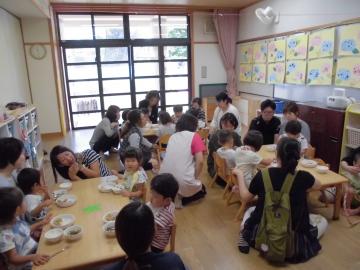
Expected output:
(151, 102)
(307, 228)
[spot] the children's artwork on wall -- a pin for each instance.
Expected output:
(259, 73)
(246, 53)
(276, 73)
(276, 51)
(348, 72)
(320, 71)
(296, 46)
(321, 43)
(260, 52)
(295, 71)
(349, 40)
(245, 72)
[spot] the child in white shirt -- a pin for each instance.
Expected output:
(37, 198)
(164, 188)
(226, 151)
(293, 131)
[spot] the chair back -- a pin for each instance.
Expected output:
(163, 141)
(172, 237)
(220, 166)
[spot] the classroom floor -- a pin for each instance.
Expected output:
(207, 233)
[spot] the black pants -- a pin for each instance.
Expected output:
(105, 143)
(197, 196)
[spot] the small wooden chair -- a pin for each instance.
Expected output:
(223, 172)
(171, 245)
(163, 142)
(204, 134)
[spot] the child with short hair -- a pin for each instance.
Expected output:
(246, 157)
(135, 177)
(15, 240)
(226, 151)
(293, 131)
(166, 124)
(37, 198)
(164, 188)
(178, 112)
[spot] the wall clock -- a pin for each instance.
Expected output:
(38, 51)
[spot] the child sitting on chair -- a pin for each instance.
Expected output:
(351, 166)
(164, 188)
(178, 112)
(37, 198)
(293, 131)
(226, 151)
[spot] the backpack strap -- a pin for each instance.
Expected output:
(289, 180)
(266, 180)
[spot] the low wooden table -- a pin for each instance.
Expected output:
(329, 179)
(94, 248)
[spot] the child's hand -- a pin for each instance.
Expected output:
(40, 259)
(74, 169)
(237, 172)
(353, 169)
(125, 193)
(46, 220)
(47, 203)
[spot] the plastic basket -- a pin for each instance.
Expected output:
(353, 136)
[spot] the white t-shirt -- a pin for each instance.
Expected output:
(166, 129)
(229, 155)
(32, 201)
(8, 181)
(301, 139)
(215, 123)
(246, 161)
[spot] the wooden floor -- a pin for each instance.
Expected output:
(206, 235)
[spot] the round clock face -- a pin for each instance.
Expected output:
(38, 51)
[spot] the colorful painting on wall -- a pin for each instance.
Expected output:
(295, 71)
(276, 51)
(349, 40)
(259, 73)
(260, 52)
(276, 73)
(246, 53)
(348, 72)
(296, 46)
(245, 72)
(321, 43)
(320, 71)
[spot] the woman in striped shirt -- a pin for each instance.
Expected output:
(84, 165)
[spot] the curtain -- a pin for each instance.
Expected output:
(226, 25)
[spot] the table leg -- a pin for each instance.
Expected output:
(337, 205)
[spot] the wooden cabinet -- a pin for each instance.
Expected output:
(326, 127)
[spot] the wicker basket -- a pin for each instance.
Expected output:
(353, 136)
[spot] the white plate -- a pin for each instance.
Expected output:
(106, 217)
(117, 188)
(308, 163)
(59, 192)
(105, 187)
(73, 237)
(66, 200)
(66, 185)
(62, 221)
(54, 235)
(106, 226)
(110, 178)
(322, 169)
(270, 147)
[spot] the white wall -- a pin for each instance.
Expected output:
(206, 54)
(13, 74)
(41, 75)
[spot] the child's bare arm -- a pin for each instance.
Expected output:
(41, 223)
(16, 259)
(138, 194)
(37, 210)
(266, 161)
(350, 169)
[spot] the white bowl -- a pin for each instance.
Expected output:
(110, 216)
(322, 169)
(66, 185)
(62, 221)
(270, 147)
(54, 235)
(109, 228)
(59, 192)
(105, 187)
(109, 179)
(118, 188)
(73, 233)
(66, 200)
(308, 163)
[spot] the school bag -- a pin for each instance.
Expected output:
(275, 237)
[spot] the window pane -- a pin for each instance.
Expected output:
(109, 27)
(123, 101)
(116, 86)
(176, 68)
(170, 110)
(85, 104)
(148, 84)
(75, 27)
(114, 54)
(139, 97)
(174, 27)
(175, 83)
(86, 119)
(174, 98)
(114, 70)
(84, 88)
(146, 53)
(144, 26)
(175, 52)
(146, 69)
(80, 55)
(82, 72)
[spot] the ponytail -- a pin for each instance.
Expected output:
(288, 151)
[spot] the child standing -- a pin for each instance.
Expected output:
(15, 240)
(134, 176)
(293, 131)
(226, 151)
(178, 112)
(37, 198)
(164, 188)
(246, 157)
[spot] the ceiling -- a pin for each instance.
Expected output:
(195, 3)
(22, 8)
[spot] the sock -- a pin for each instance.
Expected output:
(243, 245)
